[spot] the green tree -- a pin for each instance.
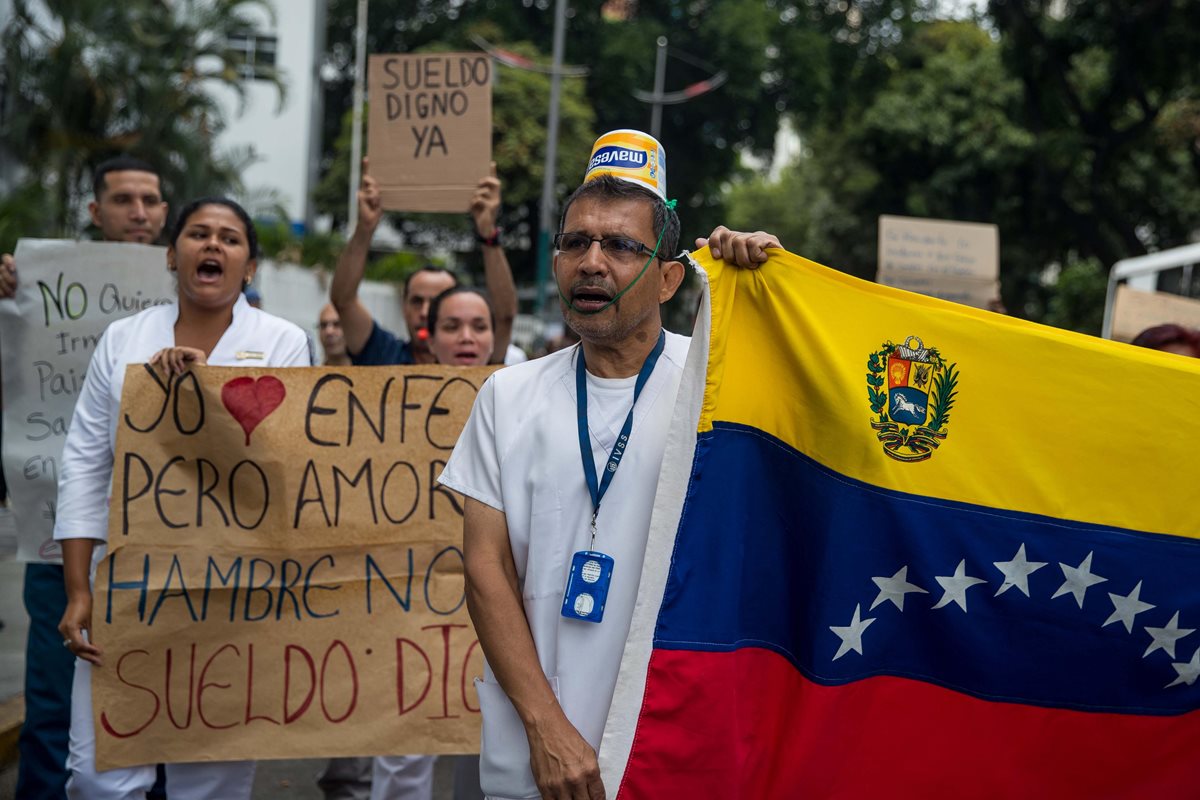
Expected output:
(1074, 126)
(88, 80)
(1077, 302)
(703, 137)
(932, 139)
(1111, 95)
(519, 144)
(1071, 124)
(518, 141)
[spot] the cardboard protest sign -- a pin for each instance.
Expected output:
(430, 128)
(285, 577)
(938, 247)
(68, 293)
(958, 261)
(1134, 311)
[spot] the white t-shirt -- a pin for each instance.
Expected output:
(254, 338)
(519, 453)
(514, 355)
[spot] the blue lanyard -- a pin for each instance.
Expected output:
(597, 489)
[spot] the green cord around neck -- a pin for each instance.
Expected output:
(566, 301)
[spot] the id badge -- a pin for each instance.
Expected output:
(587, 586)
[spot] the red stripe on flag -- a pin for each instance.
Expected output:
(746, 724)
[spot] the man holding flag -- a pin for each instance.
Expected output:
(559, 462)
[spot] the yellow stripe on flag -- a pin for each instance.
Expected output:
(1045, 421)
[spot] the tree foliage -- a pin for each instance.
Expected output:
(1074, 126)
(519, 138)
(1111, 95)
(932, 138)
(703, 137)
(88, 80)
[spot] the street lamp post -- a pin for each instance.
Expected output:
(660, 81)
(360, 68)
(548, 209)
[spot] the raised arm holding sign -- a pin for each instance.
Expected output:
(370, 345)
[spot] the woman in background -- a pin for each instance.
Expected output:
(461, 329)
(213, 250)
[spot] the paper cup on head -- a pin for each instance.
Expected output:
(632, 156)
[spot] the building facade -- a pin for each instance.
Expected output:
(283, 136)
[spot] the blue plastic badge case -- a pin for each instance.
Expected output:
(587, 586)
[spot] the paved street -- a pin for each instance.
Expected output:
(276, 780)
(12, 637)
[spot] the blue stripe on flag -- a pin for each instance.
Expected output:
(776, 551)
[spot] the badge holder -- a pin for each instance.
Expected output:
(587, 586)
(591, 570)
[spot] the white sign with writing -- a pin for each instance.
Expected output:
(908, 245)
(68, 294)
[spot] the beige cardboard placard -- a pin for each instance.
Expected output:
(285, 577)
(430, 128)
(968, 291)
(67, 295)
(1134, 311)
(908, 245)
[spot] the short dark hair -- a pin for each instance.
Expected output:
(200, 202)
(435, 305)
(427, 269)
(119, 164)
(1159, 336)
(607, 187)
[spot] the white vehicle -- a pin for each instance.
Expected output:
(1141, 274)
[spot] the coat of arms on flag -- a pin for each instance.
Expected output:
(912, 389)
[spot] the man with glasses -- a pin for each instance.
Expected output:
(528, 460)
(127, 206)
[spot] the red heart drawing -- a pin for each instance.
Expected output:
(251, 401)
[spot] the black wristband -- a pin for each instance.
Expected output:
(489, 241)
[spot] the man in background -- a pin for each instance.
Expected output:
(127, 206)
(371, 345)
(333, 341)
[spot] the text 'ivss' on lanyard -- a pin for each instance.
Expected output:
(598, 488)
(591, 572)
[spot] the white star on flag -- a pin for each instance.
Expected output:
(956, 586)
(1017, 572)
(1078, 579)
(1165, 638)
(1188, 671)
(1127, 607)
(851, 635)
(894, 588)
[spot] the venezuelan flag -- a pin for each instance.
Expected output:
(908, 549)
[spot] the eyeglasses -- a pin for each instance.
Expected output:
(622, 248)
